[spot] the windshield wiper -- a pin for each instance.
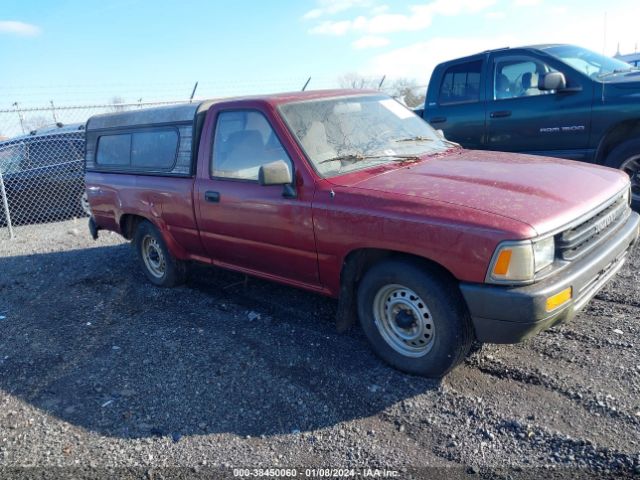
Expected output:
(414, 139)
(358, 157)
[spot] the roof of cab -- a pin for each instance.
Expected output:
(541, 46)
(186, 112)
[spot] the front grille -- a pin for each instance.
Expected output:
(578, 240)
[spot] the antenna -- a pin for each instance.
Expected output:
(193, 92)
(381, 81)
(306, 83)
(604, 40)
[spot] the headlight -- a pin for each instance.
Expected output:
(517, 262)
(544, 252)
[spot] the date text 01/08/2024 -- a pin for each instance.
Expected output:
(315, 473)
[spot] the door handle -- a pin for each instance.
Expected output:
(438, 120)
(501, 114)
(213, 197)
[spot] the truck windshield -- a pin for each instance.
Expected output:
(590, 63)
(344, 134)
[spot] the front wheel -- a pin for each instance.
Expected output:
(414, 317)
(157, 262)
(626, 157)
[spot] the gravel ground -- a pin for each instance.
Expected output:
(101, 370)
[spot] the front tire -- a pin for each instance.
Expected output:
(626, 157)
(160, 267)
(414, 317)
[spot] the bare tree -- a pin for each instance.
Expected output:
(117, 103)
(408, 91)
(357, 81)
(36, 122)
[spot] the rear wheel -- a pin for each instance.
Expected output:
(626, 157)
(157, 262)
(415, 318)
(84, 204)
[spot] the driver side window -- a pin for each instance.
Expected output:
(243, 142)
(519, 78)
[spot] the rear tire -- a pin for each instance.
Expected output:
(160, 267)
(85, 207)
(414, 317)
(626, 157)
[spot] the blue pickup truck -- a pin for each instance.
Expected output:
(555, 100)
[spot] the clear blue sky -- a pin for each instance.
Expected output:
(76, 51)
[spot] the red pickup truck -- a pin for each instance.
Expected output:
(349, 194)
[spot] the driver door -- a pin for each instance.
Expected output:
(245, 225)
(522, 118)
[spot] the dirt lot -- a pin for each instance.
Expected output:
(100, 369)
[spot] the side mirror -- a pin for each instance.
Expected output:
(275, 173)
(552, 81)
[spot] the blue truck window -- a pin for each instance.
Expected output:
(519, 78)
(461, 83)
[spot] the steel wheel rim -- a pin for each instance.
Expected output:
(84, 204)
(153, 257)
(404, 320)
(631, 167)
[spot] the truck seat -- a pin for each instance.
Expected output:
(315, 143)
(245, 149)
(529, 84)
(503, 87)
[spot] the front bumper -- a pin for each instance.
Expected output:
(511, 314)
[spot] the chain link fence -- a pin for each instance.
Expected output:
(42, 163)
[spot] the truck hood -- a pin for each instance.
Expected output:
(545, 193)
(629, 80)
(626, 88)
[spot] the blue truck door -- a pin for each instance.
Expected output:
(456, 102)
(522, 118)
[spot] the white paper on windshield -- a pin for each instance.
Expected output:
(397, 109)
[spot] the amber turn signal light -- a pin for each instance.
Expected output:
(502, 263)
(559, 299)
